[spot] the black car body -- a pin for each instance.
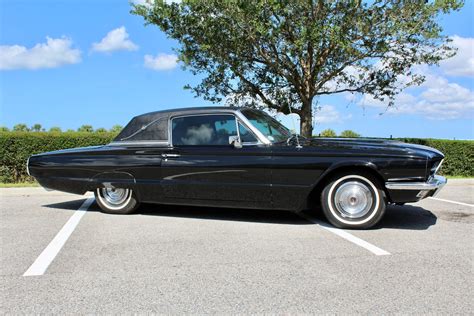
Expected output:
(237, 157)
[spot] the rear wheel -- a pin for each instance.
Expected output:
(116, 200)
(353, 201)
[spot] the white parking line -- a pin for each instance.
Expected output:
(454, 202)
(347, 236)
(51, 251)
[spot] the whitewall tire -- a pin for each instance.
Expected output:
(116, 200)
(353, 200)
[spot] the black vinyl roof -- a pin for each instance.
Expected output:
(191, 109)
(154, 125)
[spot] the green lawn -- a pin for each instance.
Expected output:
(19, 185)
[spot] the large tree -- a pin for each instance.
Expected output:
(284, 54)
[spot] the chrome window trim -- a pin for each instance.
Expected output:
(258, 142)
(236, 114)
(262, 138)
(140, 142)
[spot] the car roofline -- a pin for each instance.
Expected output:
(171, 113)
(199, 109)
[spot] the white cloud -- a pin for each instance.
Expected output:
(54, 53)
(161, 61)
(141, 2)
(291, 121)
(149, 3)
(462, 64)
(117, 39)
(329, 114)
(439, 100)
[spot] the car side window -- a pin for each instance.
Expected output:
(246, 136)
(203, 130)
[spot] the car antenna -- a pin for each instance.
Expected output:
(298, 145)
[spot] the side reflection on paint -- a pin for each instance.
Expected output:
(198, 166)
(200, 173)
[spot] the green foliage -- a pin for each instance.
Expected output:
(349, 134)
(283, 54)
(116, 129)
(101, 130)
(86, 129)
(21, 128)
(55, 129)
(328, 133)
(4, 129)
(459, 154)
(16, 147)
(36, 128)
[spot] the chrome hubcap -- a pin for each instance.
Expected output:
(115, 196)
(353, 199)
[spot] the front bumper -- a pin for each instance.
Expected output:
(28, 166)
(428, 188)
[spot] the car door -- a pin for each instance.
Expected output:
(202, 167)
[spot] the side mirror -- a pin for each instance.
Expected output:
(235, 141)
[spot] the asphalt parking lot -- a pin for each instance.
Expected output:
(55, 259)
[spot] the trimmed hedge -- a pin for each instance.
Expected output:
(459, 154)
(16, 147)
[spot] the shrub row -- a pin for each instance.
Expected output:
(16, 147)
(459, 154)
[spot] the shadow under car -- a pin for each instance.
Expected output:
(396, 217)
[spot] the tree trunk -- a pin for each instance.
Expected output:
(306, 121)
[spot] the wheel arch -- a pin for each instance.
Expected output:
(314, 196)
(117, 179)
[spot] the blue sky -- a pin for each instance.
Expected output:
(102, 66)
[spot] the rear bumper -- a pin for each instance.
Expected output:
(415, 191)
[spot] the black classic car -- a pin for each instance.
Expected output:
(242, 157)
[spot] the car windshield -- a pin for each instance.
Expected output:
(267, 125)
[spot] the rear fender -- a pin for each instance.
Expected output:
(116, 179)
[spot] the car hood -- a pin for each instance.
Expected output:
(374, 146)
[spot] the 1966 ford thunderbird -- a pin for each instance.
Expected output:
(241, 157)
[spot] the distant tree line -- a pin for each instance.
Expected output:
(56, 129)
(117, 128)
(331, 133)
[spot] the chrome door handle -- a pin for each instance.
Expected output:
(170, 155)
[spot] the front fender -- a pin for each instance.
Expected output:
(318, 185)
(346, 165)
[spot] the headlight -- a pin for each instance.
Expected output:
(436, 166)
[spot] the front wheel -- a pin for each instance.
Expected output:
(353, 201)
(116, 200)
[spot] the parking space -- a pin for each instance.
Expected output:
(173, 259)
